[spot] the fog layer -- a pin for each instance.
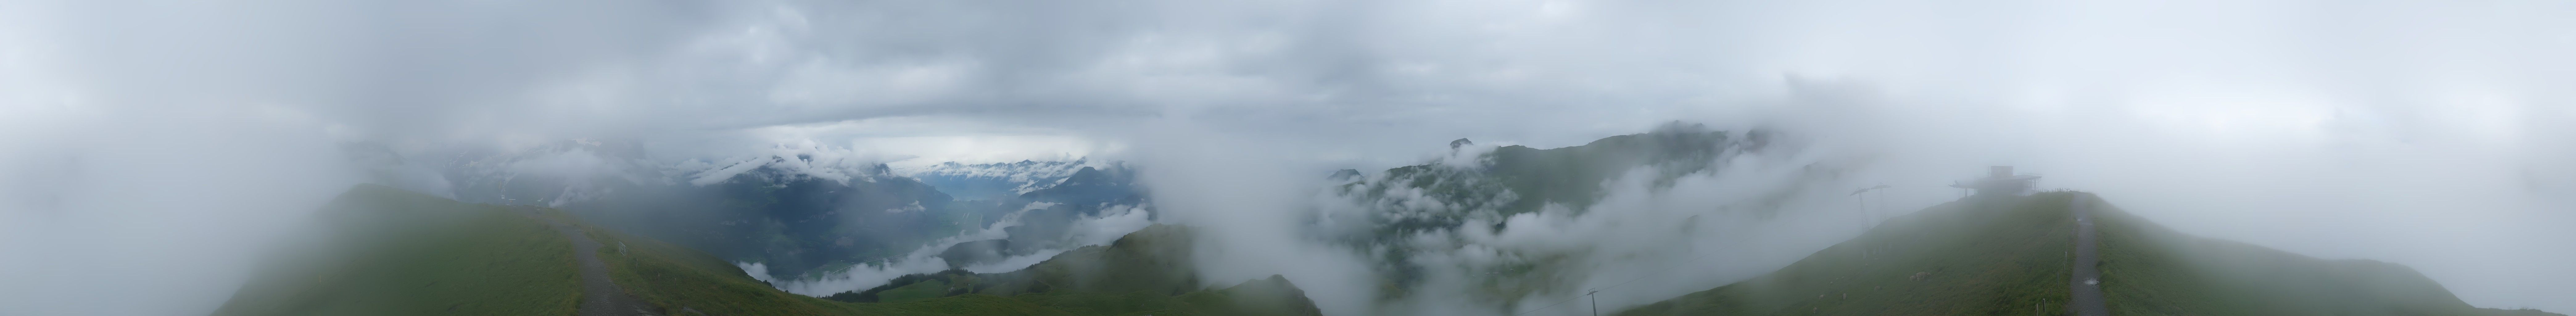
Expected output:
(149, 149)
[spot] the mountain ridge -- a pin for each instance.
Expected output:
(1988, 256)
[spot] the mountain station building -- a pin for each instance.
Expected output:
(2000, 181)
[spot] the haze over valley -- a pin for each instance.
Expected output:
(1555, 157)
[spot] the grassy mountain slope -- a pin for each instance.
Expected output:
(678, 279)
(2011, 257)
(1989, 257)
(392, 252)
(2148, 269)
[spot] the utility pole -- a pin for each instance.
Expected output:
(1869, 217)
(1596, 302)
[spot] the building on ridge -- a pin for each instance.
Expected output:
(2000, 181)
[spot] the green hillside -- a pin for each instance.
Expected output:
(1961, 258)
(2148, 269)
(392, 252)
(2012, 256)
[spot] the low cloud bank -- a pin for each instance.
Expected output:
(1087, 231)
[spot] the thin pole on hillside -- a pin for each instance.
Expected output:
(1596, 302)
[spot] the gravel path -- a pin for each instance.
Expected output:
(599, 295)
(2088, 278)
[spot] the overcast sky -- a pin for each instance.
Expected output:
(145, 145)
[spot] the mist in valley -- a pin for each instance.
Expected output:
(150, 151)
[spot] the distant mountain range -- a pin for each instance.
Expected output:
(799, 212)
(1390, 215)
(991, 181)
